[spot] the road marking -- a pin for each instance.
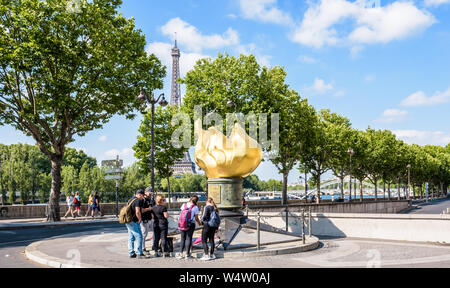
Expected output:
(348, 247)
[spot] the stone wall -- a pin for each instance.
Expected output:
(39, 211)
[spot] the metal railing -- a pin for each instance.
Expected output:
(302, 216)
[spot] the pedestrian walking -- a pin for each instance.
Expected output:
(69, 201)
(77, 203)
(160, 226)
(90, 204)
(146, 224)
(134, 230)
(186, 225)
(211, 222)
(96, 206)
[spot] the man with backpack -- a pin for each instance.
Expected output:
(211, 222)
(186, 225)
(146, 223)
(131, 215)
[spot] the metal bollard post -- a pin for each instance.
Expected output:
(303, 226)
(258, 247)
(287, 218)
(309, 223)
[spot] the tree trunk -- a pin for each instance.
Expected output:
(384, 189)
(361, 191)
(284, 196)
(389, 191)
(342, 187)
(54, 211)
(318, 189)
(442, 188)
(421, 191)
(376, 189)
(432, 190)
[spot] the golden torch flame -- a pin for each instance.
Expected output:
(222, 157)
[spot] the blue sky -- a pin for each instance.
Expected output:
(387, 67)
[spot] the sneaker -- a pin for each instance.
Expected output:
(179, 256)
(205, 258)
(143, 256)
(133, 256)
(212, 256)
(188, 256)
(157, 254)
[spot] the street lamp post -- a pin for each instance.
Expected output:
(350, 152)
(409, 181)
(162, 101)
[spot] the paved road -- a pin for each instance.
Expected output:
(432, 207)
(13, 243)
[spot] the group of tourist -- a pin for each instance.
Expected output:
(149, 213)
(74, 205)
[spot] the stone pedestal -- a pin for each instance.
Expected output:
(226, 192)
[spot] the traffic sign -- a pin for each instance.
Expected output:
(113, 177)
(112, 163)
(113, 170)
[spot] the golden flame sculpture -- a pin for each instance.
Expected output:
(222, 157)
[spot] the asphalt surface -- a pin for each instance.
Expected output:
(331, 253)
(14, 242)
(109, 249)
(432, 207)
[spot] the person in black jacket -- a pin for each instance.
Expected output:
(160, 225)
(146, 223)
(207, 231)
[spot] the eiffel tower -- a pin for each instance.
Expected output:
(185, 166)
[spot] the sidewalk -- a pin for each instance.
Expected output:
(17, 224)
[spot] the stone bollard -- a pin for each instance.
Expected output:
(303, 226)
(309, 223)
(258, 229)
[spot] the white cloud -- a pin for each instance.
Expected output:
(423, 137)
(339, 93)
(264, 11)
(306, 59)
(251, 48)
(435, 2)
(193, 40)
(394, 21)
(320, 87)
(369, 78)
(102, 138)
(392, 115)
(421, 99)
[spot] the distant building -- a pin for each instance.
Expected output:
(185, 166)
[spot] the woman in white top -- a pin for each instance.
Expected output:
(69, 201)
(186, 236)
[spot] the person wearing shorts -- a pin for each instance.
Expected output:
(77, 203)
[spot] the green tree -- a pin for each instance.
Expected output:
(166, 154)
(64, 73)
(321, 147)
(252, 89)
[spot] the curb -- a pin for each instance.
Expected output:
(295, 248)
(5, 227)
(33, 254)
